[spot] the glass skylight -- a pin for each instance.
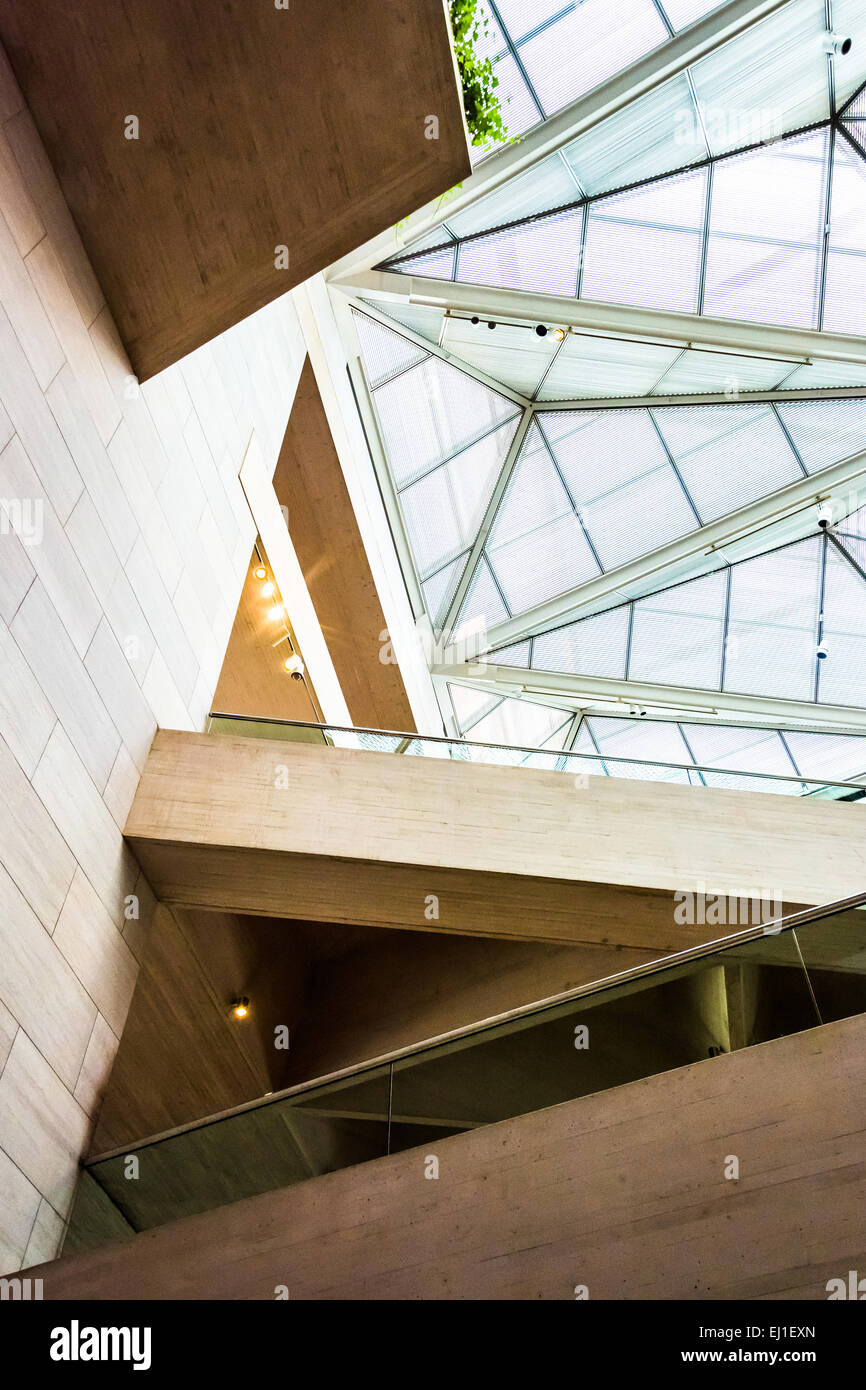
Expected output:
(751, 628)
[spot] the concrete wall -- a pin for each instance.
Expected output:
(113, 622)
(604, 1192)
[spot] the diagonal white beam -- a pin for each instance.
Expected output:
(699, 551)
(827, 393)
(582, 691)
(592, 316)
(634, 81)
(487, 522)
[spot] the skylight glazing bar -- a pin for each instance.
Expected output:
(513, 50)
(575, 508)
(672, 462)
(725, 624)
(787, 749)
(690, 751)
(850, 558)
(828, 204)
(705, 238)
(790, 440)
(822, 584)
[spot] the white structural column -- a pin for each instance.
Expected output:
(330, 361)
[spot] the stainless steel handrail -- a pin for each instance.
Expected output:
(407, 739)
(775, 927)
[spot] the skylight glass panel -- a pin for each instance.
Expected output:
(655, 134)
(827, 431)
(766, 233)
(524, 723)
(849, 72)
(433, 265)
(656, 741)
(770, 79)
(513, 355)
(682, 13)
(586, 46)
(547, 185)
(819, 376)
(828, 757)
(541, 256)
(594, 646)
(772, 631)
(727, 456)
(842, 676)
(470, 704)
(443, 511)
(430, 412)
(644, 246)
(537, 546)
(517, 654)
(747, 750)
(697, 372)
(423, 320)
(483, 604)
(588, 367)
(385, 353)
(677, 635)
(618, 474)
(846, 257)
(439, 589)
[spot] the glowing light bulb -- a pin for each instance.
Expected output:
(269, 588)
(240, 1007)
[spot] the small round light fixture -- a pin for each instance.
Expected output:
(491, 323)
(240, 1007)
(294, 665)
(269, 588)
(838, 45)
(475, 319)
(541, 330)
(559, 334)
(260, 572)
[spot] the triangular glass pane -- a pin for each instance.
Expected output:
(545, 186)
(825, 432)
(384, 352)
(443, 511)
(513, 355)
(515, 655)
(421, 318)
(619, 476)
(772, 632)
(828, 757)
(470, 704)
(439, 589)
(699, 372)
(434, 265)
(770, 79)
(525, 723)
(537, 547)
(430, 412)
(644, 246)
(842, 678)
(483, 604)
(542, 255)
(766, 233)
(594, 646)
(744, 750)
(655, 741)
(727, 455)
(677, 634)
(654, 135)
(588, 367)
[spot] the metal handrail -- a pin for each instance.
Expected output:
(408, 738)
(775, 927)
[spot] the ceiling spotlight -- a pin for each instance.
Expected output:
(541, 330)
(294, 665)
(475, 319)
(491, 324)
(559, 334)
(260, 572)
(269, 588)
(822, 652)
(636, 712)
(240, 1007)
(838, 45)
(825, 514)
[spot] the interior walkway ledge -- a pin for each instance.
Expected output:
(603, 1192)
(344, 835)
(216, 155)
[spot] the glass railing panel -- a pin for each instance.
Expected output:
(545, 759)
(834, 954)
(767, 982)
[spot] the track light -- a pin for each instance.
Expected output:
(821, 652)
(260, 572)
(541, 330)
(240, 1007)
(825, 514)
(560, 334)
(294, 666)
(838, 45)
